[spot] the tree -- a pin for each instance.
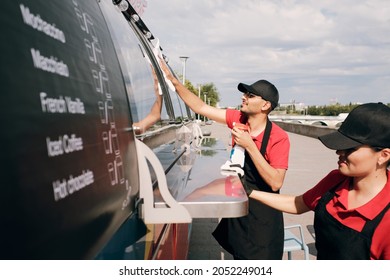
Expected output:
(330, 110)
(211, 92)
(207, 89)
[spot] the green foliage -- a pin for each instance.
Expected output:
(330, 110)
(325, 110)
(208, 91)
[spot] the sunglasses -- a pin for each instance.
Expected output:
(250, 95)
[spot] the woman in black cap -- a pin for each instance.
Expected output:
(351, 204)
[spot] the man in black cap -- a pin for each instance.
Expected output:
(260, 234)
(351, 204)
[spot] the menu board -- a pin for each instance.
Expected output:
(68, 166)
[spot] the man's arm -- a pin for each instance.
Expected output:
(274, 177)
(194, 102)
(153, 117)
(155, 112)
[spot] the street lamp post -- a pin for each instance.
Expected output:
(205, 101)
(184, 59)
(199, 98)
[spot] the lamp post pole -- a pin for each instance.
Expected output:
(199, 98)
(205, 101)
(184, 59)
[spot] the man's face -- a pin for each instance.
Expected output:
(252, 104)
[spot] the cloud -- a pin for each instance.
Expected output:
(313, 51)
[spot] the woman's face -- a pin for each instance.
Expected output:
(358, 162)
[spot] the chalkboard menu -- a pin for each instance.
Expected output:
(68, 167)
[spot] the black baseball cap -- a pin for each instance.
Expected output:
(262, 88)
(367, 124)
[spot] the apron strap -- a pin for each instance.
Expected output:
(267, 133)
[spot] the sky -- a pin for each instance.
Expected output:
(314, 52)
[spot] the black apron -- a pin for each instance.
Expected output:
(335, 241)
(260, 234)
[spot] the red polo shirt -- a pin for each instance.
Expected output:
(278, 147)
(355, 218)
